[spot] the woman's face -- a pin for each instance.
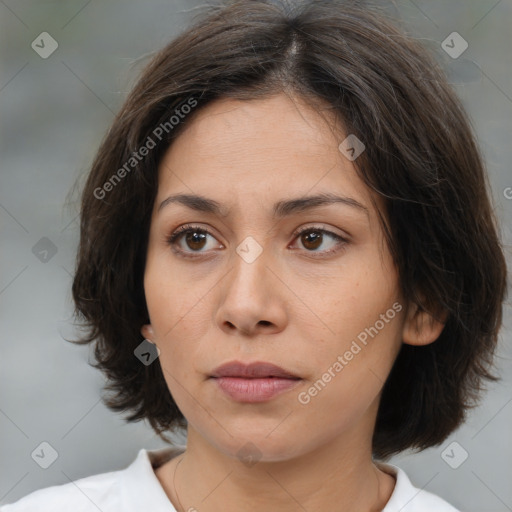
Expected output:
(244, 286)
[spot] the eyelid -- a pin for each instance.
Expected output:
(324, 229)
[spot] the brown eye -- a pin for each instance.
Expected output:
(313, 239)
(195, 240)
(189, 239)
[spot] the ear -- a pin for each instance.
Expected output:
(148, 333)
(421, 327)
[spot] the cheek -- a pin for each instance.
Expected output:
(171, 306)
(354, 299)
(172, 295)
(365, 321)
(349, 380)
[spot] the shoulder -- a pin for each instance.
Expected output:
(83, 495)
(407, 498)
(130, 489)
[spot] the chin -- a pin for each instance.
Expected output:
(257, 446)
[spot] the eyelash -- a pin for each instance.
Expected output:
(172, 239)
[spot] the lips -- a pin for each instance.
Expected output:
(255, 370)
(254, 382)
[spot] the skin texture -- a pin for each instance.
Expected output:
(290, 306)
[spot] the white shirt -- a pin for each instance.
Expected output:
(136, 488)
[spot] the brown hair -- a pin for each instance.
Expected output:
(421, 158)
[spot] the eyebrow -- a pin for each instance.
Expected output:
(281, 208)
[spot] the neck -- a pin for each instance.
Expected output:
(334, 476)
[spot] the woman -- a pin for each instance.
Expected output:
(287, 248)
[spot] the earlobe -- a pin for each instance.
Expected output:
(421, 327)
(147, 331)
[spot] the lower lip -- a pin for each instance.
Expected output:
(254, 390)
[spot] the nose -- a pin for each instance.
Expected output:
(251, 298)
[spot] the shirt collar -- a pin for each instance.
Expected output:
(403, 493)
(141, 488)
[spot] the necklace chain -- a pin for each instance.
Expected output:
(174, 483)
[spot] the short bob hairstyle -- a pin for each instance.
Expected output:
(421, 157)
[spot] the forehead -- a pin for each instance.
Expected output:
(259, 151)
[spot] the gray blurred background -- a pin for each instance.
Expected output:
(54, 110)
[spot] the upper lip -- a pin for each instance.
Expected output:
(252, 370)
